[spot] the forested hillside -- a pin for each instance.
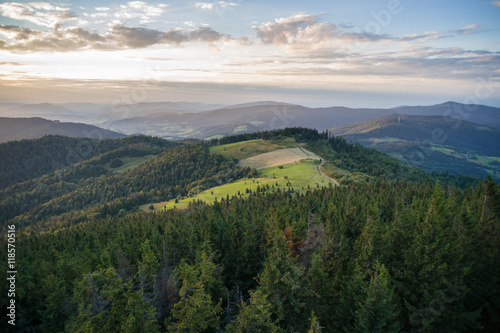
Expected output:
(28, 159)
(389, 250)
(89, 189)
(383, 257)
(432, 143)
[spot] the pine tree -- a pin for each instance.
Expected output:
(196, 311)
(254, 317)
(282, 282)
(315, 327)
(376, 309)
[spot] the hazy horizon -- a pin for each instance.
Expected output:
(222, 104)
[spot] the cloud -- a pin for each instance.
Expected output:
(204, 5)
(306, 29)
(140, 10)
(40, 13)
(18, 33)
(216, 5)
(57, 40)
(142, 37)
(467, 30)
(117, 37)
(495, 3)
(10, 64)
(97, 15)
(424, 37)
(295, 29)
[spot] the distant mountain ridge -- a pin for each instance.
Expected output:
(33, 128)
(179, 120)
(260, 116)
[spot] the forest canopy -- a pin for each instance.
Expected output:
(400, 252)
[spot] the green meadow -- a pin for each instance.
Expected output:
(298, 176)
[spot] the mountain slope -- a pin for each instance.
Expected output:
(34, 128)
(178, 120)
(28, 159)
(259, 116)
(433, 143)
(89, 188)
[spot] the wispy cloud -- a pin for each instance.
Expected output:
(496, 3)
(215, 5)
(407, 62)
(142, 10)
(423, 37)
(467, 30)
(10, 64)
(40, 13)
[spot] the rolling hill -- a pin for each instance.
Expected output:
(433, 143)
(34, 128)
(178, 120)
(282, 164)
(260, 116)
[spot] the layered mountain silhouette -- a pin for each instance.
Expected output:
(34, 128)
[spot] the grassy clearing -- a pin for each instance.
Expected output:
(299, 176)
(246, 149)
(490, 164)
(447, 151)
(300, 172)
(385, 140)
(344, 177)
(225, 149)
(130, 163)
(483, 160)
(241, 128)
(257, 122)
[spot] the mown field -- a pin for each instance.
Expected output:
(246, 149)
(278, 157)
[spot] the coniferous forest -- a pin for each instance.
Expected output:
(399, 251)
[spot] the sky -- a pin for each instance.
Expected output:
(316, 53)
